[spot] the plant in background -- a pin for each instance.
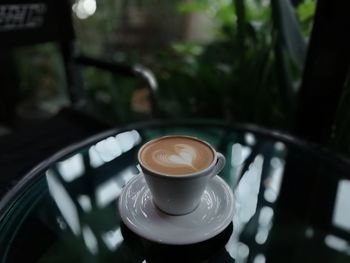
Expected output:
(249, 72)
(231, 59)
(42, 81)
(306, 11)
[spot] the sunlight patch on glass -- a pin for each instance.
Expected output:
(64, 203)
(108, 149)
(111, 189)
(243, 251)
(85, 202)
(341, 213)
(249, 138)
(90, 240)
(261, 236)
(273, 182)
(239, 154)
(247, 191)
(107, 192)
(95, 159)
(336, 243)
(71, 168)
(265, 224)
(260, 258)
(265, 216)
(128, 140)
(112, 238)
(280, 146)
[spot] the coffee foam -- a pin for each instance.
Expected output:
(177, 155)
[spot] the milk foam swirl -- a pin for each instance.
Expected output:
(182, 155)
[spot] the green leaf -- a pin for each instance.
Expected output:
(306, 12)
(193, 6)
(188, 48)
(306, 9)
(226, 14)
(257, 10)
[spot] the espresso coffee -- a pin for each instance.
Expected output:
(176, 155)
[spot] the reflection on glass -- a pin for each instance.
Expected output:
(112, 238)
(108, 149)
(265, 224)
(309, 232)
(71, 168)
(247, 191)
(265, 216)
(95, 159)
(249, 138)
(273, 182)
(85, 202)
(336, 243)
(280, 146)
(90, 240)
(112, 147)
(239, 154)
(259, 259)
(341, 214)
(64, 202)
(110, 190)
(242, 251)
(261, 235)
(246, 198)
(128, 139)
(107, 192)
(61, 223)
(239, 251)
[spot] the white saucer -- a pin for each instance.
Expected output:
(213, 215)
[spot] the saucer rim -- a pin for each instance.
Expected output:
(225, 222)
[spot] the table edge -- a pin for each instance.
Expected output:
(273, 134)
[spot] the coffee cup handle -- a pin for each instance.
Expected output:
(220, 164)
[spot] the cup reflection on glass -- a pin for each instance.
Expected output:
(177, 170)
(149, 251)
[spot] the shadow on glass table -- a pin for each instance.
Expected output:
(212, 250)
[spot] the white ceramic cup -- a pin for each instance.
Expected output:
(179, 195)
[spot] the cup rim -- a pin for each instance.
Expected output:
(199, 173)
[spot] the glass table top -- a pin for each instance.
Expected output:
(291, 201)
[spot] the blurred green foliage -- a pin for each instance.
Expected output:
(248, 71)
(306, 11)
(42, 81)
(238, 60)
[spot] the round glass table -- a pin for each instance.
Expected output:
(291, 201)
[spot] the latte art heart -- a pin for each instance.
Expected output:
(182, 155)
(176, 155)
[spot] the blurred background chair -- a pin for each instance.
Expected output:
(24, 143)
